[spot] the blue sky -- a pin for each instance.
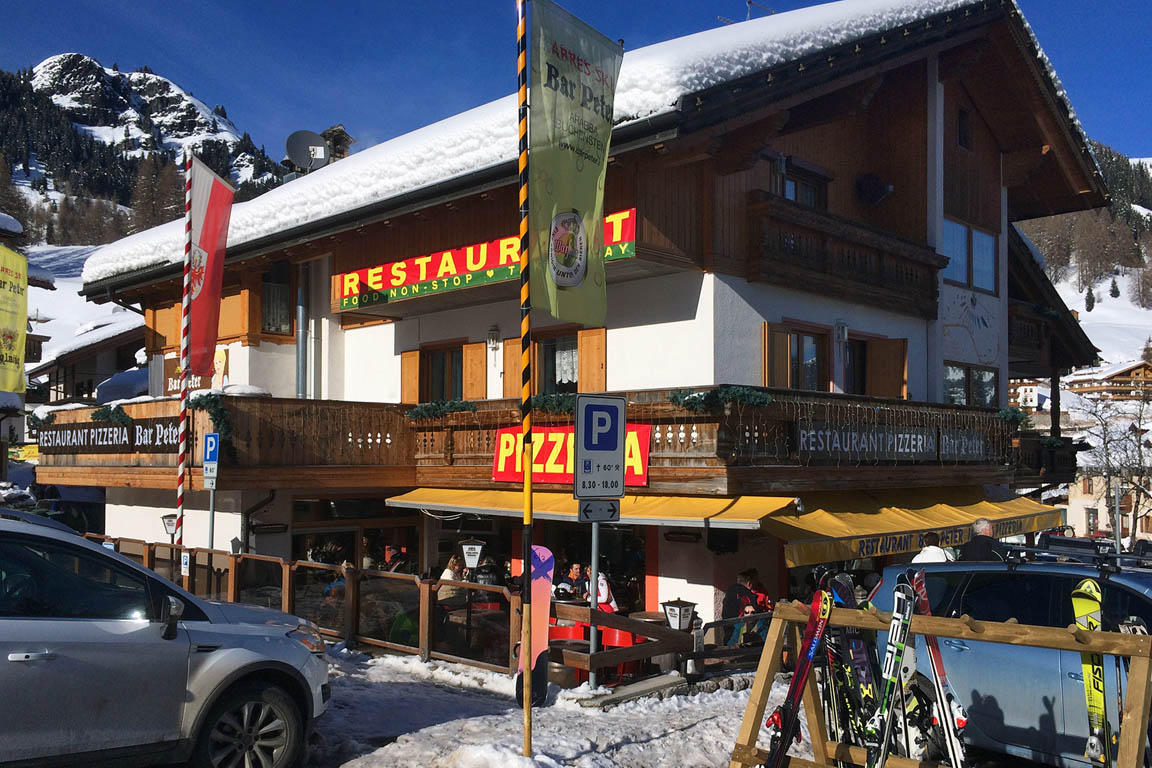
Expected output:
(383, 68)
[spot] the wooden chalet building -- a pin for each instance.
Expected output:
(829, 234)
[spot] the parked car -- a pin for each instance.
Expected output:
(106, 662)
(1024, 702)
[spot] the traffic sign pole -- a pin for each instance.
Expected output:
(211, 468)
(594, 597)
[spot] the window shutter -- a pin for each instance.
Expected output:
(776, 358)
(475, 371)
(591, 351)
(410, 377)
(512, 374)
(886, 363)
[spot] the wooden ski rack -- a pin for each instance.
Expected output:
(1137, 700)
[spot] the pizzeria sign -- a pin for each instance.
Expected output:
(467, 266)
(553, 449)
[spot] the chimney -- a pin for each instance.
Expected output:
(338, 141)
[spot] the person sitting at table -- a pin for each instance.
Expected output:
(453, 571)
(574, 584)
(604, 599)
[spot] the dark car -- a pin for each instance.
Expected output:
(1024, 702)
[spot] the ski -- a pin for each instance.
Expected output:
(949, 712)
(785, 721)
(856, 677)
(1086, 606)
(880, 727)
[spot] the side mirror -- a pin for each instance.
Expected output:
(170, 612)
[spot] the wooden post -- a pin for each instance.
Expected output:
(1134, 723)
(514, 625)
(427, 609)
(758, 699)
(286, 586)
(351, 604)
(234, 578)
(150, 557)
(810, 699)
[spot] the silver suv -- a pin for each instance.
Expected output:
(101, 660)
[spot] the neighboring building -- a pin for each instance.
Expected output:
(98, 351)
(1130, 380)
(831, 229)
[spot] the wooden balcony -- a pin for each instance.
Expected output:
(815, 251)
(1029, 341)
(1041, 459)
(796, 442)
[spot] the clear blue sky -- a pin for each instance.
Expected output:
(384, 67)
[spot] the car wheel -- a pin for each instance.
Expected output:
(253, 725)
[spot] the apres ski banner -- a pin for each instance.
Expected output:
(13, 319)
(211, 210)
(573, 87)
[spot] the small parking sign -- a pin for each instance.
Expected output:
(185, 564)
(600, 425)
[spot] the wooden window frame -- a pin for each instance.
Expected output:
(968, 369)
(424, 376)
(791, 327)
(799, 172)
(968, 283)
(278, 336)
(553, 332)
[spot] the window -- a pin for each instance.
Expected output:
(1026, 597)
(1093, 515)
(801, 182)
(856, 367)
(971, 385)
(559, 364)
(46, 580)
(276, 299)
(964, 129)
(796, 358)
(441, 374)
(971, 256)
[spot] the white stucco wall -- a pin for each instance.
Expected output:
(686, 572)
(369, 367)
(135, 514)
(741, 308)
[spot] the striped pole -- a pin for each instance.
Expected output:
(525, 365)
(182, 461)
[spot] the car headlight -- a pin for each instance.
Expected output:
(308, 636)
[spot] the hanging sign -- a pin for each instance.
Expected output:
(466, 266)
(13, 319)
(553, 451)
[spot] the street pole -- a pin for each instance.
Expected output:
(211, 517)
(594, 600)
(1117, 523)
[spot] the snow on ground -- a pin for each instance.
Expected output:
(651, 82)
(398, 711)
(1117, 327)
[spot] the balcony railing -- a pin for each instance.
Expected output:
(1042, 459)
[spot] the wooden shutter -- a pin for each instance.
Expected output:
(886, 364)
(592, 352)
(777, 362)
(512, 374)
(475, 371)
(410, 377)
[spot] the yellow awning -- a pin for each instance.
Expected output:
(849, 525)
(744, 512)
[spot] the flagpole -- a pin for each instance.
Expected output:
(526, 380)
(186, 303)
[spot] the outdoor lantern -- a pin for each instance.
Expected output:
(169, 524)
(472, 549)
(679, 613)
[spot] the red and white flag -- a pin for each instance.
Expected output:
(211, 210)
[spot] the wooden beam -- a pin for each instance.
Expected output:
(834, 106)
(955, 62)
(758, 697)
(1020, 165)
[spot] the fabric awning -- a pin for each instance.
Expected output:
(744, 512)
(836, 526)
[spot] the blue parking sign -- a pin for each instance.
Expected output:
(211, 447)
(599, 460)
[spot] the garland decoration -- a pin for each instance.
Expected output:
(114, 414)
(213, 405)
(721, 397)
(425, 411)
(556, 402)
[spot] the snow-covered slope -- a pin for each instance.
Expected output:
(142, 107)
(1117, 326)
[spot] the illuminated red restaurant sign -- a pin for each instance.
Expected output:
(465, 267)
(552, 451)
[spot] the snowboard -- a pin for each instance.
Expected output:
(540, 583)
(1086, 606)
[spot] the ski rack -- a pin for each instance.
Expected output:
(1100, 560)
(793, 616)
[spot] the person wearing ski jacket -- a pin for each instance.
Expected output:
(737, 598)
(982, 547)
(604, 599)
(932, 551)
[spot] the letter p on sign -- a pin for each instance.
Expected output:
(601, 433)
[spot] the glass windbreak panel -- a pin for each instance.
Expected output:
(559, 365)
(474, 624)
(319, 595)
(954, 245)
(955, 385)
(984, 387)
(983, 261)
(261, 582)
(390, 610)
(44, 580)
(855, 367)
(328, 547)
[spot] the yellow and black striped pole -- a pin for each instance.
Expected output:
(526, 381)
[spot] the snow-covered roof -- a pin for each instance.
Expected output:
(1032, 249)
(93, 334)
(9, 225)
(1102, 371)
(652, 81)
(42, 276)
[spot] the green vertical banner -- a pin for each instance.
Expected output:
(572, 89)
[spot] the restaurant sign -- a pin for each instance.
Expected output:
(467, 266)
(865, 442)
(552, 452)
(158, 435)
(964, 445)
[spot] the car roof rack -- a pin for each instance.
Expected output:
(34, 519)
(1105, 561)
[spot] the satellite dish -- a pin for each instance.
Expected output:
(307, 150)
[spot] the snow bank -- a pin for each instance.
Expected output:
(10, 225)
(652, 80)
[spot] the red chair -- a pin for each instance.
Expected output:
(486, 606)
(565, 633)
(618, 638)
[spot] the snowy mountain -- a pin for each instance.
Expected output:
(1118, 326)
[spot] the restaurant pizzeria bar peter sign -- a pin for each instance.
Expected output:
(864, 442)
(141, 436)
(467, 266)
(552, 452)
